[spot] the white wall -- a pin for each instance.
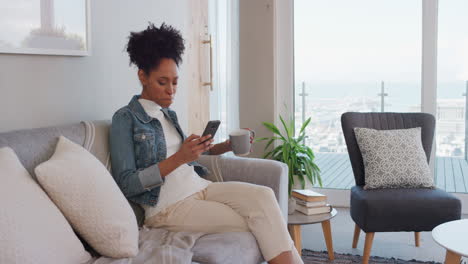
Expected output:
(38, 90)
(284, 59)
(266, 64)
(256, 67)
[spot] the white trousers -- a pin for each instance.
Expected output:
(231, 207)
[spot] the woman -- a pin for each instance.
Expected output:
(154, 164)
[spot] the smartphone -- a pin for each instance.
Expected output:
(211, 129)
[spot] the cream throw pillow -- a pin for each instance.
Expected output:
(89, 198)
(32, 229)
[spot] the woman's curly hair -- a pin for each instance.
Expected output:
(146, 48)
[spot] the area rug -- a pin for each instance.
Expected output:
(315, 257)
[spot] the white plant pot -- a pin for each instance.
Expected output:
(297, 183)
(291, 205)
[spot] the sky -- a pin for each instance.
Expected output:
(373, 40)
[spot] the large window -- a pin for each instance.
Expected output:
(224, 95)
(361, 55)
(366, 56)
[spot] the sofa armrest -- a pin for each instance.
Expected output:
(264, 172)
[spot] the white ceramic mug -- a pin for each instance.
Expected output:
(240, 141)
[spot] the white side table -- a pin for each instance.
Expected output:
(454, 237)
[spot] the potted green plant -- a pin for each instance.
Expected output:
(292, 151)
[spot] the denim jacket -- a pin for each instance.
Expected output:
(137, 145)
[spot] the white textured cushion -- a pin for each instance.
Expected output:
(32, 229)
(393, 158)
(90, 199)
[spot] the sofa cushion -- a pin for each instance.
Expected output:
(90, 199)
(158, 245)
(34, 146)
(393, 158)
(227, 248)
(32, 229)
(391, 210)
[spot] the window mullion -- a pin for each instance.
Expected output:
(429, 64)
(429, 56)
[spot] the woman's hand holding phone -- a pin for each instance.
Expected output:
(193, 147)
(190, 150)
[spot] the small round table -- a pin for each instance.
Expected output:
(296, 219)
(453, 236)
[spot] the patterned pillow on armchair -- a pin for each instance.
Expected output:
(393, 158)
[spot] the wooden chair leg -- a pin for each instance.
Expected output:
(417, 236)
(452, 257)
(357, 230)
(367, 247)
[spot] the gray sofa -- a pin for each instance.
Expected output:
(34, 146)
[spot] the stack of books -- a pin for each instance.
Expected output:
(310, 203)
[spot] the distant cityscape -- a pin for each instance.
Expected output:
(325, 134)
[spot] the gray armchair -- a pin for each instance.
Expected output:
(394, 210)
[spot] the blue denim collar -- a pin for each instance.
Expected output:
(140, 113)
